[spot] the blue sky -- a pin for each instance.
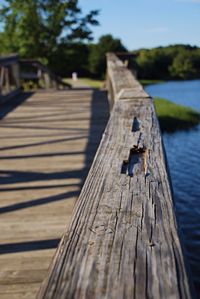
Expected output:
(147, 23)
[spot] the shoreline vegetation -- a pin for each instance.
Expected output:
(146, 82)
(172, 117)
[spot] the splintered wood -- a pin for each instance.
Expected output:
(123, 240)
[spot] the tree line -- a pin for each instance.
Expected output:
(171, 62)
(58, 34)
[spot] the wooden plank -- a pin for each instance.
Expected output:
(9, 59)
(46, 147)
(123, 239)
(19, 291)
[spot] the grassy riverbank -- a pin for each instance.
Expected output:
(174, 117)
(86, 81)
(146, 82)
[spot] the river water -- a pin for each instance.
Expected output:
(183, 155)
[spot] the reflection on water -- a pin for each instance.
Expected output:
(183, 153)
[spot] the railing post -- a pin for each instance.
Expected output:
(2, 70)
(47, 81)
(7, 80)
(16, 74)
(9, 77)
(110, 91)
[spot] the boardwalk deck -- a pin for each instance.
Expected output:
(46, 148)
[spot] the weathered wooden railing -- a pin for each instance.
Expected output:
(9, 77)
(34, 70)
(123, 241)
(12, 70)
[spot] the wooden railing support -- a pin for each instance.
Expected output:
(16, 73)
(11, 72)
(40, 72)
(9, 77)
(123, 241)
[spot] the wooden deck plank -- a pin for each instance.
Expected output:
(46, 147)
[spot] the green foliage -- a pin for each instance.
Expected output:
(88, 60)
(93, 83)
(55, 32)
(183, 65)
(172, 62)
(146, 82)
(97, 54)
(42, 28)
(153, 63)
(70, 57)
(174, 117)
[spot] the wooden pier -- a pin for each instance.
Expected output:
(122, 241)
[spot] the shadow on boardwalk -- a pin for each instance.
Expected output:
(13, 180)
(10, 105)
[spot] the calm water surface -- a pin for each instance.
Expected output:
(183, 154)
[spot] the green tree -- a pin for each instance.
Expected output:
(183, 65)
(153, 63)
(176, 61)
(71, 57)
(97, 53)
(39, 28)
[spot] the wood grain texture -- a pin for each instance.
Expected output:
(123, 239)
(47, 145)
